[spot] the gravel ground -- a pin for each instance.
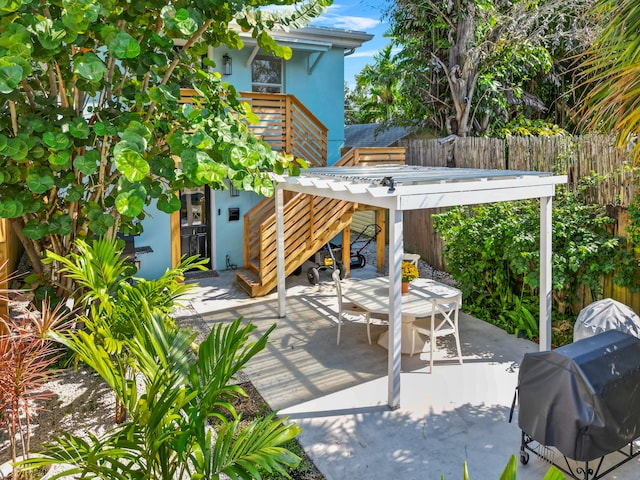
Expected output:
(425, 270)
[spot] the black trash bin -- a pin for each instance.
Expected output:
(583, 399)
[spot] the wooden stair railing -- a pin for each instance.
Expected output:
(310, 223)
(284, 123)
(370, 156)
(287, 125)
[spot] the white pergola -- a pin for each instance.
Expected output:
(402, 187)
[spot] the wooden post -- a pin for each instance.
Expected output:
(282, 293)
(346, 250)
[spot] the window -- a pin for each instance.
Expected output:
(266, 75)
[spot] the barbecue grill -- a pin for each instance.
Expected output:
(603, 315)
(584, 400)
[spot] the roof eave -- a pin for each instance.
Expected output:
(344, 39)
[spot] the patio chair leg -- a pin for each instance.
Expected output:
(339, 325)
(458, 346)
(369, 328)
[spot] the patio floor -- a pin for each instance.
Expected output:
(338, 394)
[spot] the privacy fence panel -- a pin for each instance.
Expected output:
(581, 158)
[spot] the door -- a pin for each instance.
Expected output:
(195, 223)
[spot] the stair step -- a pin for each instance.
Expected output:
(254, 265)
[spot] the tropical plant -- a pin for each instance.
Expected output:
(26, 357)
(378, 86)
(493, 252)
(470, 66)
(111, 298)
(93, 131)
(610, 73)
(177, 425)
(510, 471)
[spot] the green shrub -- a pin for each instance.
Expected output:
(493, 252)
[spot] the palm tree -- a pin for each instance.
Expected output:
(612, 70)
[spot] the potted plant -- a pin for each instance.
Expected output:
(409, 273)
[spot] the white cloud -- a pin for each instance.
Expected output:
(346, 22)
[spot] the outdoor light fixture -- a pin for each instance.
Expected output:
(227, 64)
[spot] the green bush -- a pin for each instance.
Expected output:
(493, 252)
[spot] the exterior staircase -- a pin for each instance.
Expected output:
(310, 222)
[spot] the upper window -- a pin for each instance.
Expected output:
(266, 75)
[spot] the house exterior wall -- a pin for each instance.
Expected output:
(320, 90)
(157, 235)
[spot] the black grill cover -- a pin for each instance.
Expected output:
(583, 398)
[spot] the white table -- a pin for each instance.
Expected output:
(373, 295)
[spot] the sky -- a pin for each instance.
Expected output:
(361, 15)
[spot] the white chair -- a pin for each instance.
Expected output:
(347, 307)
(443, 321)
(411, 258)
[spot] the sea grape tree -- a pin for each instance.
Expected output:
(92, 129)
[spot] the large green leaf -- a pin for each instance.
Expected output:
(74, 193)
(90, 67)
(10, 208)
(87, 163)
(14, 34)
(35, 229)
(77, 15)
(40, 180)
(61, 224)
(16, 149)
(100, 223)
(132, 165)
(124, 45)
(79, 128)
(50, 34)
(60, 160)
(10, 76)
(9, 6)
(130, 203)
(168, 203)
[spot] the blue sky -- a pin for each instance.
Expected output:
(363, 16)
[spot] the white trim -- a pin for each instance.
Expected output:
(313, 62)
(546, 231)
(394, 358)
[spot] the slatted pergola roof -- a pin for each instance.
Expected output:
(404, 187)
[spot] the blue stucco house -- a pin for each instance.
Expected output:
(301, 105)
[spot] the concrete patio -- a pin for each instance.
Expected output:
(338, 394)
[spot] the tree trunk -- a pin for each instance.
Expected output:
(462, 73)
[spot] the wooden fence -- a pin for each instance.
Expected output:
(10, 251)
(579, 157)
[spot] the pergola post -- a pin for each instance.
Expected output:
(396, 243)
(282, 293)
(546, 231)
